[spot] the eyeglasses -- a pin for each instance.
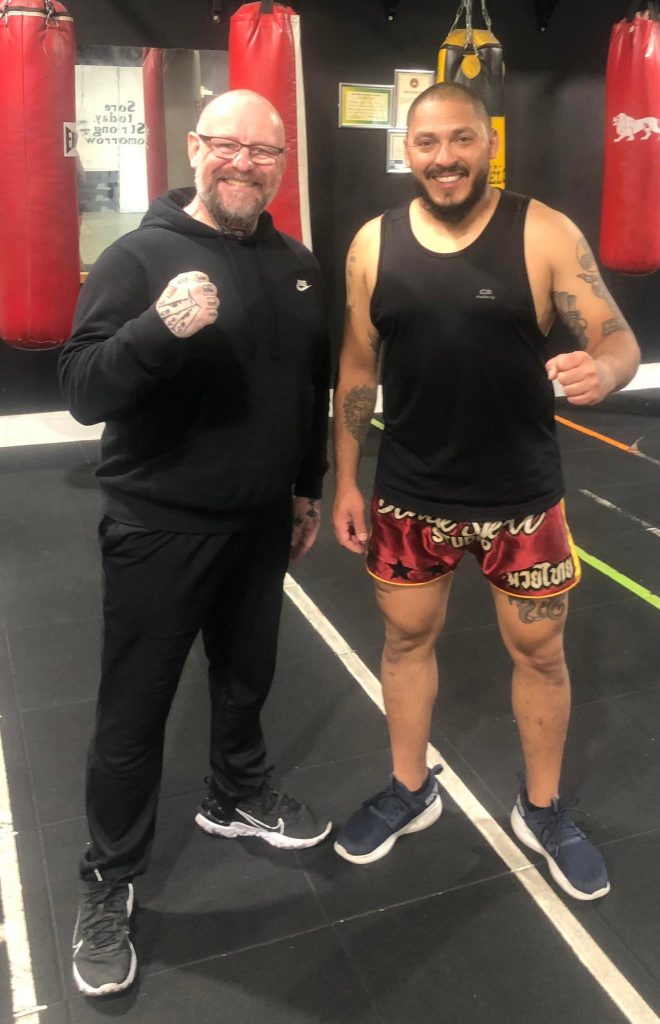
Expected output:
(229, 148)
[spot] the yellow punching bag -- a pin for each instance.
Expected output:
(473, 57)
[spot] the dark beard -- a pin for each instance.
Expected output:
(454, 213)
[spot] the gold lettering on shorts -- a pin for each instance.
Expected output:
(542, 575)
(460, 535)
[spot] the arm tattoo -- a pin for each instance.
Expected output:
(593, 278)
(597, 286)
(585, 255)
(178, 314)
(530, 611)
(374, 341)
(614, 325)
(351, 260)
(571, 316)
(311, 512)
(358, 408)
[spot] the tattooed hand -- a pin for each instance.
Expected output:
(585, 380)
(189, 303)
(306, 522)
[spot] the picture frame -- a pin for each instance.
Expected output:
(365, 106)
(408, 85)
(395, 162)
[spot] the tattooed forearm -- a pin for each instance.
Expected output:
(572, 317)
(358, 409)
(536, 610)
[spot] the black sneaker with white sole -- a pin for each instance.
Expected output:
(268, 814)
(371, 832)
(575, 863)
(104, 961)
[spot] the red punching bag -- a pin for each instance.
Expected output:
(39, 251)
(154, 117)
(630, 223)
(265, 56)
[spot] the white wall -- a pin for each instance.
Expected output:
(112, 133)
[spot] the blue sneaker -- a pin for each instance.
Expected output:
(371, 832)
(575, 863)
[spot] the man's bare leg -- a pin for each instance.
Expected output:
(533, 632)
(414, 617)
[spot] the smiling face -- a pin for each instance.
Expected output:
(449, 147)
(235, 190)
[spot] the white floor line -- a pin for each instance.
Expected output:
(59, 426)
(44, 428)
(588, 952)
(23, 994)
(649, 527)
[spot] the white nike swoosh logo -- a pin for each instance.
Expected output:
(262, 824)
(302, 286)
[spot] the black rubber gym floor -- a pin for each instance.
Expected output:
(439, 931)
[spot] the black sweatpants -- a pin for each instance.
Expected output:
(159, 590)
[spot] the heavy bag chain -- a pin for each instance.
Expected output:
(465, 7)
(49, 11)
(652, 6)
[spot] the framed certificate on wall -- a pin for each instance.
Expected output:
(365, 106)
(396, 161)
(407, 86)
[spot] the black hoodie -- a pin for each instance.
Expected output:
(203, 434)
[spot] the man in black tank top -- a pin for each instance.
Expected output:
(452, 297)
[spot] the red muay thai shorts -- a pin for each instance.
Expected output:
(530, 556)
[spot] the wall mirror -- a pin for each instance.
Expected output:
(134, 108)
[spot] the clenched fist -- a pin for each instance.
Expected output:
(189, 303)
(585, 380)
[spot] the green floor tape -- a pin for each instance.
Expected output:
(618, 577)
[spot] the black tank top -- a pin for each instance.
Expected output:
(468, 408)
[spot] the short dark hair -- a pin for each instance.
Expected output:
(450, 91)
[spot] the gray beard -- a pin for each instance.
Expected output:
(232, 225)
(454, 213)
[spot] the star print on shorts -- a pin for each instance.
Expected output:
(529, 556)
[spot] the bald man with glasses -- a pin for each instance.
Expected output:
(196, 344)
